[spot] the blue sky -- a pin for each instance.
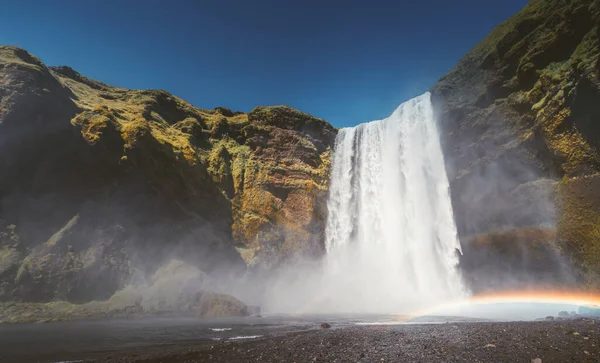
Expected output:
(346, 61)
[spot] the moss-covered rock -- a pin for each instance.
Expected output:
(579, 224)
(522, 106)
(98, 182)
(175, 289)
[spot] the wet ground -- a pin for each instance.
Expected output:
(282, 339)
(565, 341)
(77, 340)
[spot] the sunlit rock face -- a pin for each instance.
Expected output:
(97, 182)
(518, 119)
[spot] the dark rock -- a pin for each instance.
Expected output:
(325, 325)
(76, 76)
(514, 115)
(227, 112)
(513, 259)
(219, 128)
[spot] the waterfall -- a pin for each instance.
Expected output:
(391, 238)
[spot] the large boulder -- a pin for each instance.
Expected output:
(178, 288)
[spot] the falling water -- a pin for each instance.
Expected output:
(391, 239)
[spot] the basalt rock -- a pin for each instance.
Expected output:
(520, 109)
(98, 183)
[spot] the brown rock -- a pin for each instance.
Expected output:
(100, 182)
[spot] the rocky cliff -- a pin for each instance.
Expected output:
(100, 184)
(520, 118)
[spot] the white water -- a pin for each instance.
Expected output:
(391, 238)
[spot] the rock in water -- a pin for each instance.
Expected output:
(325, 325)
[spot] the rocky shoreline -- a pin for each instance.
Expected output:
(550, 341)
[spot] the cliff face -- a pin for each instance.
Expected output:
(520, 118)
(99, 182)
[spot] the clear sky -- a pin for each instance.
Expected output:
(346, 61)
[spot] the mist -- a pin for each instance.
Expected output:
(392, 250)
(390, 237)
(413, 217)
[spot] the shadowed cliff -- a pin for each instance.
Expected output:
(520, 126)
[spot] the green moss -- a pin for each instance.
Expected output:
(175, 153)
(286, 117)
(579, 224)
(94, 125)
(220, 164)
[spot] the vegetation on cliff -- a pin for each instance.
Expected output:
(101, 183)
(521, 107)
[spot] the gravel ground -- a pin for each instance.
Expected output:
(551, 341)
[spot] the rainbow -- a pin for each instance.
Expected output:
(540, 296)
(580, 298)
